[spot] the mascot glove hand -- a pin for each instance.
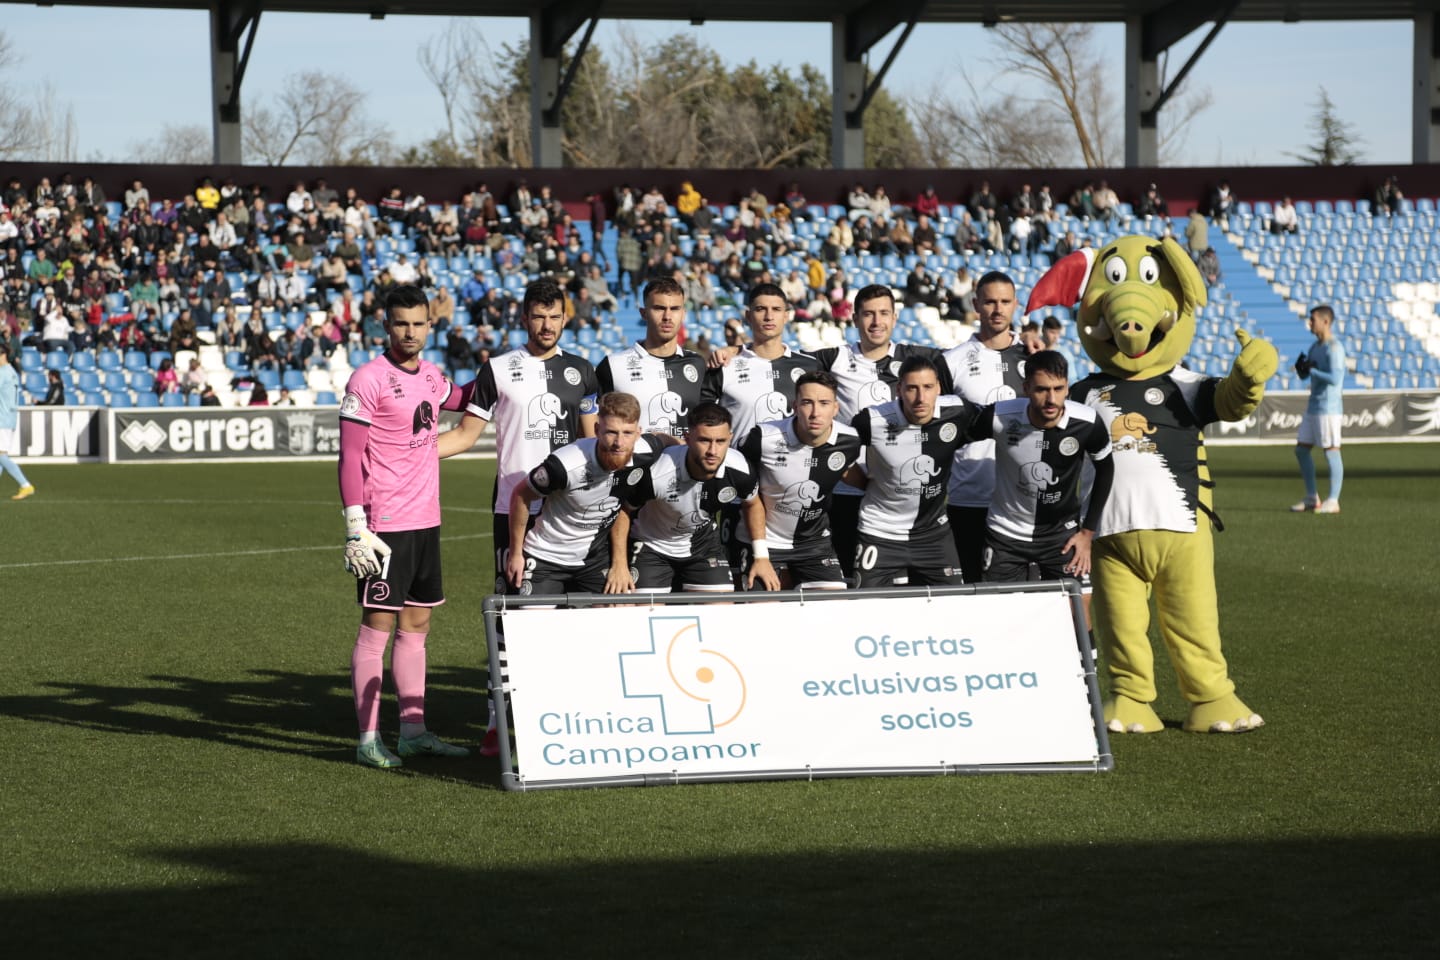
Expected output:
(1257, 360)
(364, 551)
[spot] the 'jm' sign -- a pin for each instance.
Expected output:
(60, 432)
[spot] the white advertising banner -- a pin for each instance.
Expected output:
(628, 693)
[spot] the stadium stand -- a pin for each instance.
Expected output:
(1379, 272)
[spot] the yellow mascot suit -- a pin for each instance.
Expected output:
(1136, 320)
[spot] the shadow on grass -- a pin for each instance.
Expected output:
(1321, 897)
(272, 710)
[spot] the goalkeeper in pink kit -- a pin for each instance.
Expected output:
(390, 487)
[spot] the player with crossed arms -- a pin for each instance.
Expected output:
(786, 539)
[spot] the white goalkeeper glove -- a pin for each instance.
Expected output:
(364, 551)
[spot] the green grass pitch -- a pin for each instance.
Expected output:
(178, 775)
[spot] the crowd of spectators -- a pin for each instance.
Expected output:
(285, 281)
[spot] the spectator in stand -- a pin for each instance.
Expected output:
(900, 240)
(442, 309)
(1197, 233)
(600, 290)
(858, 202)
(1065, 246)
(598, 218)
(960, 297)
(1222, 203)
(1106, 203)
(54, 326)
(1285, 219)
(1023, 203)
(315, 350)
(687, 202)
(920, 288)
(880, 205)
(1209, 265)
(795, 200)
(630, 261)
(207, 197)
(194, 378)
(299, 198)
(983, 204)
(1388, 197)
(1151, 205)
(925, 238)
(258, 396)
(1045, 204)
(137, 198)
(208, 397)
(402, 271)
(54, 390)
(1082, 201)
(166, 379)
(458, 355)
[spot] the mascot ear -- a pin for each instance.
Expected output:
(1064, 284)
(1191, 283)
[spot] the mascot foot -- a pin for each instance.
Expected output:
(1123, 715)
(1226, 715)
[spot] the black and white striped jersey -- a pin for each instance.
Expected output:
(1037, 471)
(868, 383)
(909, 467)
(756, 390)
(797, 481)
(535, 407)
(676, 513)
(982, 376)
(667, 387)
(581, 500)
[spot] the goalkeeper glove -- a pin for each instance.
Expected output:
(364, 551)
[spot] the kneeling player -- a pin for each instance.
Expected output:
(1045, 439)
(797, 462)
(909, 445)
(675, 541)
(570, 546)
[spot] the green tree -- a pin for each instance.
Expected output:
(1336, 143)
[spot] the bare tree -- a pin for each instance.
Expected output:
(19, 125)
(176, 143)
(316, 118)
(1061, 56)
(985, 127)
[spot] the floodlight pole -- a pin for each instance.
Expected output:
(551, 26)
(852, 35)
(1425, 124)
(1146, 37)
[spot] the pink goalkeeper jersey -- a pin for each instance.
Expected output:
(402, 463)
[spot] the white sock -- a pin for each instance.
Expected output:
(369, 736)
(411, 730)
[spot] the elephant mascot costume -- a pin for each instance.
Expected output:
(1136, 321)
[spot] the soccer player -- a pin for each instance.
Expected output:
(758, 385)
(1034, 514)
(867, 372)
(1324, 366)
(797, 463)
(909, 446)
(674, 538)
(10, 422)
(390, 487)
(658, 371)
(986, 369)
(572, 546)
(540, 399)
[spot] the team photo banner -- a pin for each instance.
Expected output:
(852, 686)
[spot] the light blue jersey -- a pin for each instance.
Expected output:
(9, 398)
(1327, 376)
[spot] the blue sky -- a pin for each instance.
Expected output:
(127, 73)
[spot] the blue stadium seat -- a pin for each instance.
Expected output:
(88, 381)
(462, 377)
(114, 380)
(57, 360)
(173, 400)
(293, 380)
(268, 378)
(83, 361)
(31, 360)
(158, 357)
(118, 398)
(193, 400)
(146, 399)
(142, 381)
(326, 398)
(34, 382)
(136, 360)
(235, 361)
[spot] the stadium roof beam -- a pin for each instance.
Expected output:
(230, 21)
(551, 27)
(852, 36)
(1147, 36)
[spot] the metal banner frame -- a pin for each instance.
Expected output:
(513, 776)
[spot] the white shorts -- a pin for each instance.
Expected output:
(9, 437)
(1320, 430)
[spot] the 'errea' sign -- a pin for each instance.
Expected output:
(223, 434)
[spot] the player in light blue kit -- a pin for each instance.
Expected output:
(10, 422)
(1324, 366)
